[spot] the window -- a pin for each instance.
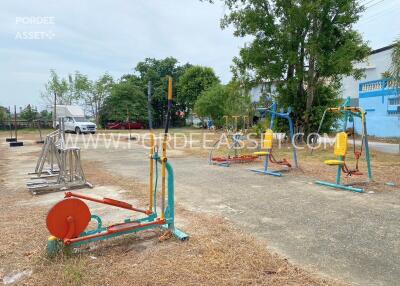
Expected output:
(354, 102)
(394, 101)
(394, 106)
(80, 119)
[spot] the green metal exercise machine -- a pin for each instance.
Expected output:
(349, 113)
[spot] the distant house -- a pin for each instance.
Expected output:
(381, 100)
(378, 62)
(265, 89)
(376, 95)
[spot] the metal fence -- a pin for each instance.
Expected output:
(23, 124)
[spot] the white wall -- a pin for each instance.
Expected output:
(255, 93)
(266, 89)
(375, 65)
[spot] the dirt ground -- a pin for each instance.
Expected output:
(217, 253)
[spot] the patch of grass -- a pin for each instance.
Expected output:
(74, 272)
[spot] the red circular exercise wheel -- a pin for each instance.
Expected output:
(68, 218)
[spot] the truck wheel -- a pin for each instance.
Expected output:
(78, 130)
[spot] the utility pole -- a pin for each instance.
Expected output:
(149, 105)
(55, 111)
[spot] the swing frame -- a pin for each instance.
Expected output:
(349, 113)
(268, 153)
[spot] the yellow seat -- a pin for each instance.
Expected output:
(340, 148)
(266, 143)
(261, 153)
(334, 162)
(268, 138)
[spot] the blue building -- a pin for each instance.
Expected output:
(376, 95)
(381, 100)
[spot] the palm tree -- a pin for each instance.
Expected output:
(395, 69)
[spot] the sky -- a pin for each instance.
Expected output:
(100, 36)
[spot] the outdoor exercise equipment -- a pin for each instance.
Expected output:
(267, 142)
(13, 140)
(39, 128)
(235, 146)
(129, 125)
(67, 221)
(49, 153)
(63, 165)
(349, 113)
(234, 126)
(235, 141)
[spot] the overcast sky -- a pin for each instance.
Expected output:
(112, 36)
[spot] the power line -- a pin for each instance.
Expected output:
(376, 16)
(388, 8)
(367, 2)
(374, 4)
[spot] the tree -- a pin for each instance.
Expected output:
(45, 115)
(3, 114)
(304, 46)
(28, 113)
(238, 102)
(192, 83)
(211, 103)
(395, 66)
(395, 69)
(79, 88)
(157, 71)
(93, 94)
(101, 89)
(386, 74)
(222, 100)
(127, 101)
(60, 88)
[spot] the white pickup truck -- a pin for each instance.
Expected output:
(74, 119)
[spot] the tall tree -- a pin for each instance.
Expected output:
(157, 71)
(3, 114)
(211, 104)
(222, 100)
(126, 102)
(78, 88)
(395, 66)
(60, 88)
(395, 69)
(304, 46)
(93, 94)
(192, 83)
(45, 115)
(28, 113)
(101, 89)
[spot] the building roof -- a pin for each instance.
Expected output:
(383, 49)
